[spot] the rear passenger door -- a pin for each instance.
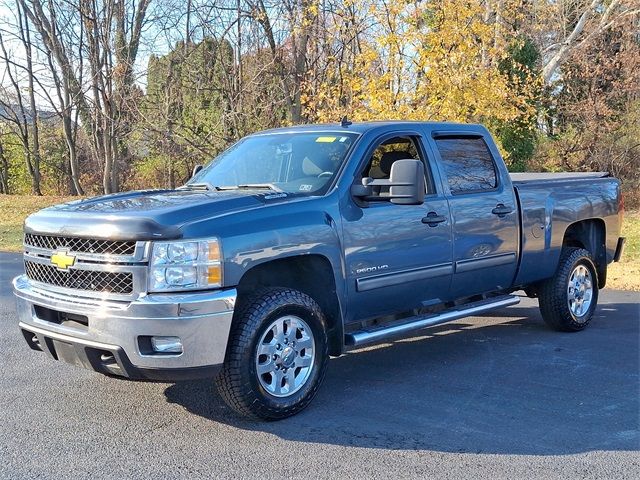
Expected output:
(484, 214)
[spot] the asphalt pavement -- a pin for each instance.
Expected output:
(497, 396)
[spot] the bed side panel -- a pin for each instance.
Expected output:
(547, 212)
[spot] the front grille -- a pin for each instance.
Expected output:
(80, 245)
(96, 281)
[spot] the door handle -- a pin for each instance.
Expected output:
(501, 210)
(433, 219)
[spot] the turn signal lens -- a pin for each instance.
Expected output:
(214, 251)
(214, 274)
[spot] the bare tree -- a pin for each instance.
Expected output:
(4, 169)
(15, 112)
(595, 17)
(112, 32)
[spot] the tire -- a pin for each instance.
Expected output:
(564, 306)
(266, 374)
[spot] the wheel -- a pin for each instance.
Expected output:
(568, 299)
(277, 355)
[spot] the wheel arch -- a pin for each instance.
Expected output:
(311, 274)
(590, 234)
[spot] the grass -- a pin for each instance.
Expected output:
(14, 208)
(625, 275)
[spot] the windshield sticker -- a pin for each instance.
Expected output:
(325, 139)
(305, 188)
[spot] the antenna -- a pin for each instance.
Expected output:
(345, 122)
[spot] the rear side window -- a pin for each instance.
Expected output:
(468, 164)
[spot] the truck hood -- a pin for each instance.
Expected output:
(144, 215)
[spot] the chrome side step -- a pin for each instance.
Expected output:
(363, 337)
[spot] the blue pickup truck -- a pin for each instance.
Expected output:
(296, 244)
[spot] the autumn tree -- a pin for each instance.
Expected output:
(421, 60)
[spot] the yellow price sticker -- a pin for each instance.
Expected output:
(325, 139)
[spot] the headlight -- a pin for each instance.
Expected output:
(192, 265)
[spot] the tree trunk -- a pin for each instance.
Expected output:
(25, 36)
(4, 172)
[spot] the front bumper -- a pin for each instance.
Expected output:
(111, 337)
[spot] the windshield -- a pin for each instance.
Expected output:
(297, 162)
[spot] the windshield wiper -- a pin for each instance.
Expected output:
(253, 186)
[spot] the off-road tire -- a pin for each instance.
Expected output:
(553, 295)
(238, 382)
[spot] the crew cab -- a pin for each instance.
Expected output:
(299, 243)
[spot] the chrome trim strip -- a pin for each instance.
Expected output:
(397, 278)
(470, 264)
(67, 338)
(364, 336)
(77, 303)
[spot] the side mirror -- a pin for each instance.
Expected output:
(406, 185)
(407, 182)
(196, 170)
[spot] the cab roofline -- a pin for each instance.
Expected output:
(364, 127)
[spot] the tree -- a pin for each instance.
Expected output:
(110, 41)
(16, 110)
(575, 23)
(426, 60)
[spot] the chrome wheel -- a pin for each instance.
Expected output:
(284, 356)
(580, 291)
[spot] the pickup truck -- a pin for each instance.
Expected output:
(296, 244)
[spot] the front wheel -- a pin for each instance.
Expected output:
(277, 355)
(568, 299)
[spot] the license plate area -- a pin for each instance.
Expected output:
(65, 319)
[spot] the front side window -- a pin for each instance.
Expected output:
(468, 164)
(386, 154)
(293, 162)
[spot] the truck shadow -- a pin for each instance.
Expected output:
(489, 385)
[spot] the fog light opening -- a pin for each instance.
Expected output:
(166, 345)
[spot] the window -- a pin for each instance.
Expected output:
(299, 162)
(388, 152)
(397, 148)
(467, 164)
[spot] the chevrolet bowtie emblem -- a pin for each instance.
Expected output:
(63, 260)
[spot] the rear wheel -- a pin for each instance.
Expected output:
(277, 355)
(569, 298)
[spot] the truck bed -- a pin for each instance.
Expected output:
(549, 203)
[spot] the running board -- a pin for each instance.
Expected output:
(416, 323)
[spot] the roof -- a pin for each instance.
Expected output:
(363, 127)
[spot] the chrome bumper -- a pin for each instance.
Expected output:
(109, 336)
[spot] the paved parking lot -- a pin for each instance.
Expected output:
(495, 396)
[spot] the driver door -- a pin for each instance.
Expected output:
(395, 259)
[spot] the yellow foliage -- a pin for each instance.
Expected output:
(422, 61)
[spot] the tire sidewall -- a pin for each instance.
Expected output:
(586, 261)
(312, 315)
